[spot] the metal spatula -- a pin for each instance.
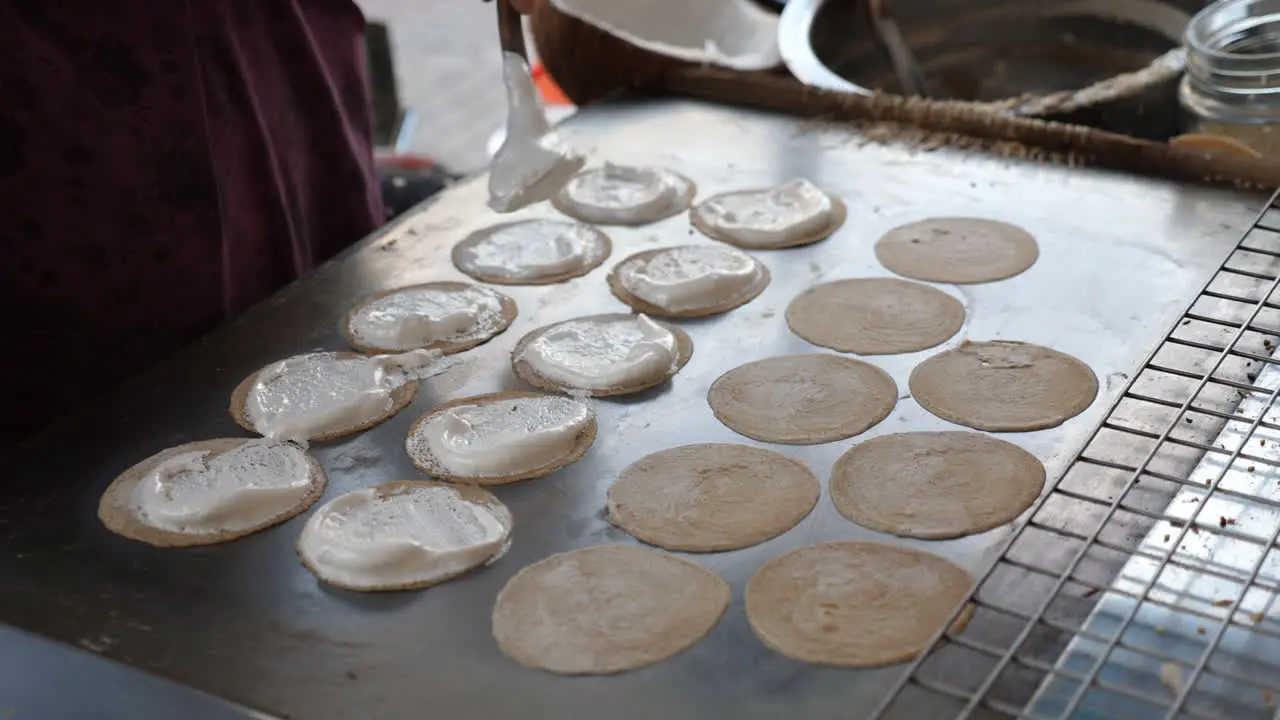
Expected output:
(533, 163)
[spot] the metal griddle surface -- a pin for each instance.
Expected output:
(1119, 258)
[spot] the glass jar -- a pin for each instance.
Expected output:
(1232, 83)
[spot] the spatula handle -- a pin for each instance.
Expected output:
(511, 29)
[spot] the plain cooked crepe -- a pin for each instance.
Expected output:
(803, 399)
(854, 604)
(957, 250)
(875, 316)
(116, 508)
(713, 497)
(935, 485)
(603, 610)
(1004, 386)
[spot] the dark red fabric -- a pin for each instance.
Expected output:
(163, 165)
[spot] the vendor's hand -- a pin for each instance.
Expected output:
(524, 6)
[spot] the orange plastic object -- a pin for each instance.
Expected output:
(547, 88)
(405, 162)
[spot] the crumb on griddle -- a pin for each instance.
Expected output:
(1172, 677)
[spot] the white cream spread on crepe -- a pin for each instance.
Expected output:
(691, 277)
(533, 249)
(309, 395)
(765, 218)
(416, 317)
(595, 354)
(533, 162)
(624, 194)
(236, 490)
(501, 438)
(424, 533)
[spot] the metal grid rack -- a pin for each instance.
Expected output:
(1145, 583)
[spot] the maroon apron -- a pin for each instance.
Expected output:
(164, 164)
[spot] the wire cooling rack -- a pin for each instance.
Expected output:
(1144, 584)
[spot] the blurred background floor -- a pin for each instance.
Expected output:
(448, 67)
